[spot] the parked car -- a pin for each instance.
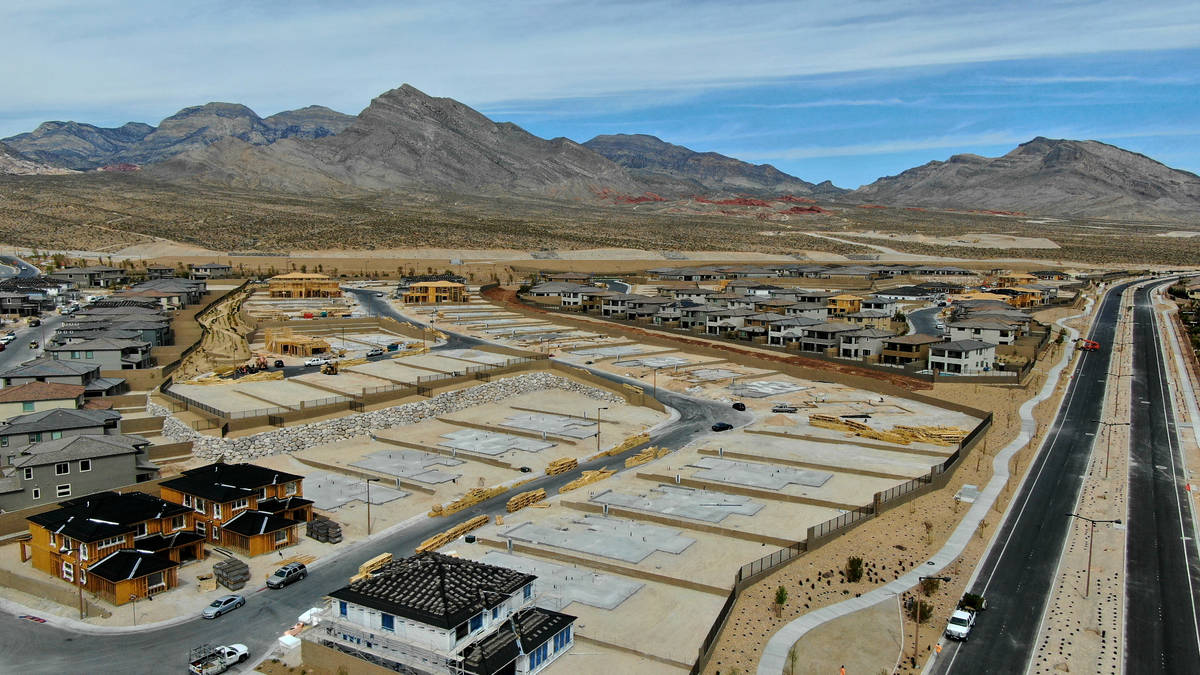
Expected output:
(2, 346)
(288, 574)
(278, 363)
(374, 352)
(317, 361)
(223, 605)
(739, 406)
(722, 426)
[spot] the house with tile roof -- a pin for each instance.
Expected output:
(39, 396)
(436, 613)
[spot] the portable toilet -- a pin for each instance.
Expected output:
(393, 347)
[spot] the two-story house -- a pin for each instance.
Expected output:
(119, 546)
(841, 305)
(246, 507)
(902, 350)
(789, 330)
(962, 357)
(38, 397)
(96, 276)
(160, 272)
(825, 338)
(53, 424)
(111, 354)
(435, 613)
(995, 331)
(53, 470)
(860, 344)
(63, 371)
(210, 271)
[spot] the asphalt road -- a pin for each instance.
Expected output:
(18, 351)
(923, 320)
(1018, 572)
(30, 647)
(1162, 572)
(13, 266)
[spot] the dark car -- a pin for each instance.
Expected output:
(278, 363)
(288, 574)
(739, 406)
(525, 469)
(35, 322)
(722, 426)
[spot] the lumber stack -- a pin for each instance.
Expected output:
(937, 435)
(473, 497)
(646, 455)
(625, 446)
(520, 501)
(365, 569)
(441, 539)
(857, 429)
(587, 478)
(561, 465)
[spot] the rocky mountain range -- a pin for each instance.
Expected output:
(407, 140)
(75, 145)
(1049, 177)
(13, 163)
(651, 160)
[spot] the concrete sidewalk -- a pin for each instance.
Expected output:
(775, 652)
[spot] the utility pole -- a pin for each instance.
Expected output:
(598, 427)
(368, 482)
(1108, 439)
(917, 615)
(1091, 535)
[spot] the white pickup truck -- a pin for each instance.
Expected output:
(961, 623)
(208, 660)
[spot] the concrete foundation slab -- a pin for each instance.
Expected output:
(333, 490)
(655, 362)
(765, 388)
(616, 538)
(711, 374)
(490, 442)
(558, 585)
(704, 505)
(410, 464)
(475, 355)
(607, 352)
(753, 474)
(559, 425)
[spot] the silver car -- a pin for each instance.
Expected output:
(223, 604)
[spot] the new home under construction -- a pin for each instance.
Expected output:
(303, 285)
(284, 341)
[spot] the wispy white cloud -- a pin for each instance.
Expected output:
(825, 103)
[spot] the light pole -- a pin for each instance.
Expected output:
(1108, 440)
(917, 614)
(1091, 535)
(77, 575)
(598, 427)
(369, 481)
(133, 599)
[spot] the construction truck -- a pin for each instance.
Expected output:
(209, 660)
(330, 368)
(1087, 345)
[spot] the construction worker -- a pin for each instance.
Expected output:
(937, 649)
(843, 670)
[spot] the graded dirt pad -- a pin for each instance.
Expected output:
(823, 651)
(972, 239)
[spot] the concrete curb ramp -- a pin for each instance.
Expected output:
(775, 652)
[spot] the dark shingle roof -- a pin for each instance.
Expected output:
(129, 563)
(71, 448)
(57, 419)
(252, 523)
(105, 514)
(48, 367)
(435, 589)
(226, 482)
(533, 628)
(965, 345)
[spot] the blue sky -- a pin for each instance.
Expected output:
(846, 91)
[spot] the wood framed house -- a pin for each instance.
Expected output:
(246, 507)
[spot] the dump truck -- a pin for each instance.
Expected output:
(209, 660)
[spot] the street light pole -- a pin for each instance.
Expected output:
(598, 427)
(1091, 535)
(917, 615)
(1108, 440)
(369, 481)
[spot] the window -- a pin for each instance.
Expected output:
(200, 528)
(140, 530)
(82, 576)
(35, 438)
(4, 442)
(281, 537)
(27, 472)
(562, 639)
(495, 613)
(216, 510)
(262, 493)
(85, 465)
(341, 608)
(476, 622)
(239, 504)
(178, 523)
(62, 469)
(110, 542)
(74, 355)
(187, 500)
(528, 591)
(216, 533)
(538, 656)
(27, 406)
(88, 355)
(387, 622)
(37, 494)
(199, 505)
(83, 552)
(55, 435)
(68, 571)
(290, 489)
(63, 490)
